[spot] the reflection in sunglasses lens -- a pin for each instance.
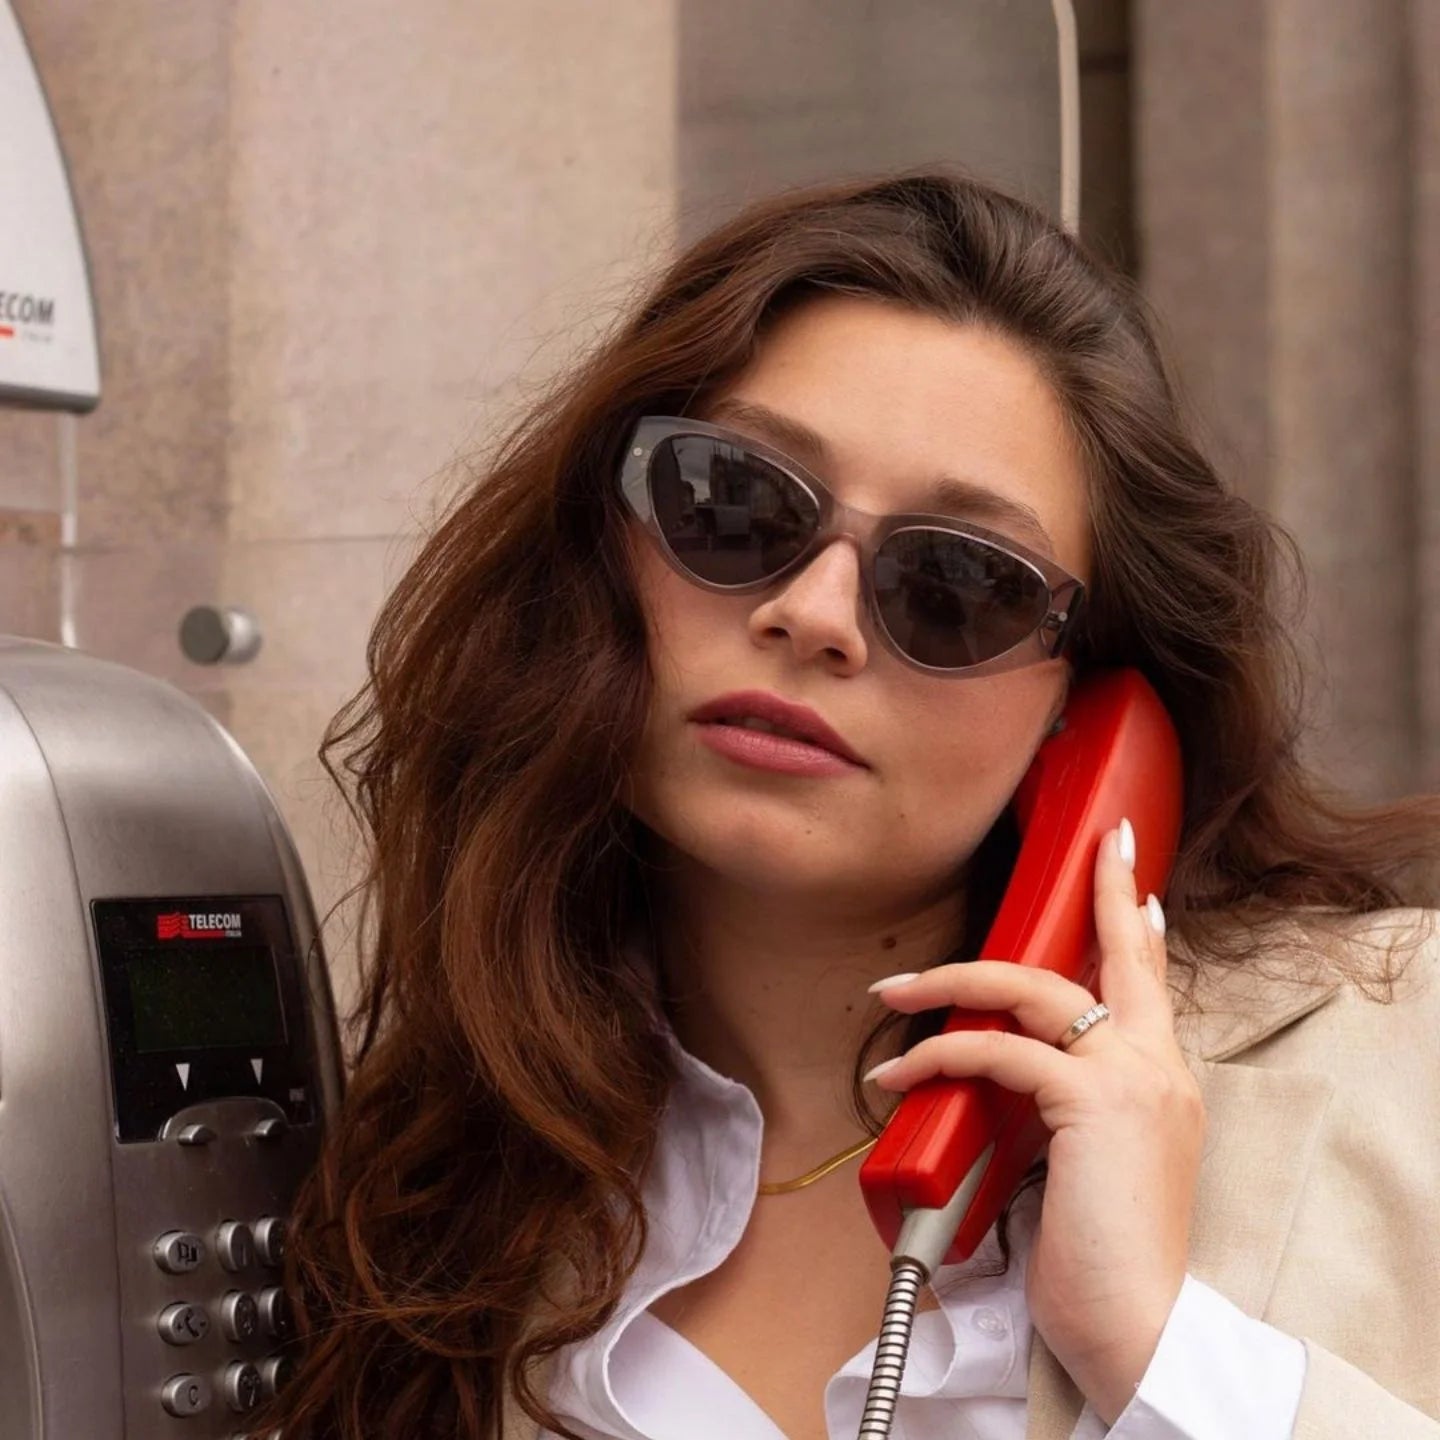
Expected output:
(728, 515)
(951, 600)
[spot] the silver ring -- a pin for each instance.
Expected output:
(1092, 1017)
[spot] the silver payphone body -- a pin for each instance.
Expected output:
(167, 1056)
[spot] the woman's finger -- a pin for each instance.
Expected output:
(1017, 1063)
(1152, 912)
(1043, 1003)
(1129, 981)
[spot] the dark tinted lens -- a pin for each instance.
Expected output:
(728, 515)
(951, 600)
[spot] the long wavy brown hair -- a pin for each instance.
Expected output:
(477, 1204)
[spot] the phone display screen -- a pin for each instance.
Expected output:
(204, 996)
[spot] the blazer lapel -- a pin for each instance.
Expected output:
(1261, 1130)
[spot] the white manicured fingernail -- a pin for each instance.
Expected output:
(1155, 913)
(880, 1069)
(890, 980)
(1126, 844)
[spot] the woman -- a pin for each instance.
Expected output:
(630, 959)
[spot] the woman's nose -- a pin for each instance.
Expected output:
(818, 609)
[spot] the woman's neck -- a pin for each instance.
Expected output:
(771, 990)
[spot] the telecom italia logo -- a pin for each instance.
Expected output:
(177, 925)
(26, 317)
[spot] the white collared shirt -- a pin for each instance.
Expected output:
(1217, 1374)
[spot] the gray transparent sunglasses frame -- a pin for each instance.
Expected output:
(1046, 641)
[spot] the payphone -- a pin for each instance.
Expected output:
(167, 1056)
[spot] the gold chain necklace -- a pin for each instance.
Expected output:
(781, 1187)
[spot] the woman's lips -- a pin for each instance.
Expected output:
(792, 720)
(761, 750)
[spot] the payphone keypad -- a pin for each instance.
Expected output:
(263, 1313)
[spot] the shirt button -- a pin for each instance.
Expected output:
(988, 1322)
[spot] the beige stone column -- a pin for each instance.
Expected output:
(29, 523)
(1281, 243)
(1341, 349)
(1424, 56)
(1202, 195)
(776, 93)
(429, 205)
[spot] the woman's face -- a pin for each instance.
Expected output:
(899, 399)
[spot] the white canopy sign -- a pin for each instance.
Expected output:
(48, 350)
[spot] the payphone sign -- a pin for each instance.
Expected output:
(180, 925)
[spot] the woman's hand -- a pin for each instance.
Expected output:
(1126, 1122)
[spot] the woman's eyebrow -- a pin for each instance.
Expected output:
(946, 493)
(792, 436)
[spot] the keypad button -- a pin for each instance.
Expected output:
(183, 1323)
(270, 1240)
(276, 1313)
(275, 1374)
(235, 1246)
(241, 1386)
(239, 1316)
(178, 1252)
(185, 1394)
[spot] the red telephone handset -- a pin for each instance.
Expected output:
(1116, 756)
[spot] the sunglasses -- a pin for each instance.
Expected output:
(733, 515)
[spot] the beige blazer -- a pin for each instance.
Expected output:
(1318, 1207)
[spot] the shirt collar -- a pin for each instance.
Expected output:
(698, 1194)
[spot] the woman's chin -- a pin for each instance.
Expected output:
(798, 861)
